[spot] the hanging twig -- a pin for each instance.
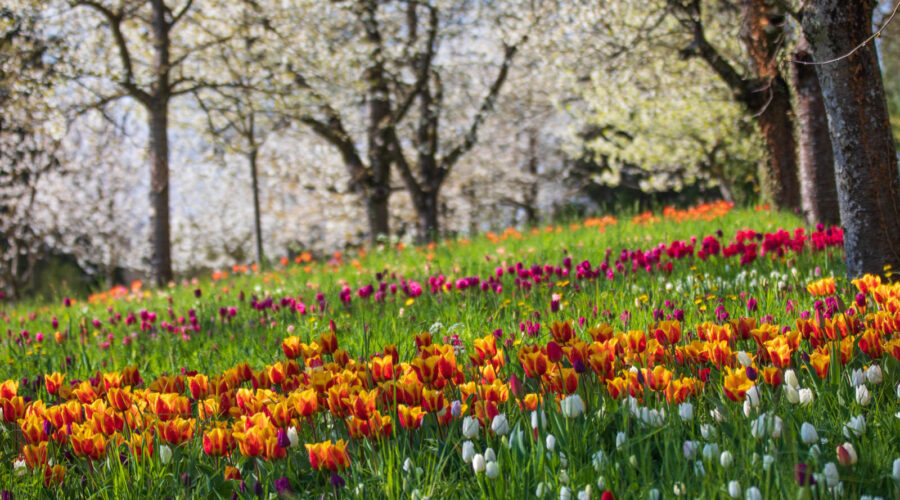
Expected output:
(855, 49)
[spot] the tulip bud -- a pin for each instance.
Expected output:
(806, 396)
(478, 464)
(734, 489)
(468, 451)
(896, 470)
(550, 442)
(790, 378)
(726, 459)
(554, 352)
(791, 394)
(753, 493)
(686, 411)
(500, 425)
(572, 406)
(832, 478)
(808, 433)
(690, 449)
(862, 396)
(492, 470)
(874, 375)
(847, 454)
(470, 427)
(165, 454)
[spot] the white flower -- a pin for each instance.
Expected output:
(679, 489)
(490, 455)
(686, 411)
(744, 359)
(717, 415)
(874, 375)
(710, 450)
(857, 377)
(500, 425)
(539, 491)
(815, 451)
(768, 460)
(572, 406)
(726, 459)
(620, 440)
(896, 470)
(855, 427)
(601, 482)
(806, 396)
(752, 396)
(565, 493)
(847, 454)
(550, 442)
(776, 428)
(538, 419)
(408, 465)
(699, 470)
(19, 467)
(808, 433)
(599, 460)
(690, 449)
(790, 378)
(734, 489)
(470, 427)
(165, 454)
(832, 478)
(653, 494)
(468, 451)
(585, 494)
(707, 431)
(478, 464)
(492, 470)
(564, 476)
(791, 394)
(862, 396)
(293, 437)
(753, 493)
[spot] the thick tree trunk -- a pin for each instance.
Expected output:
(252, 157)
(818, 189)
(771, 103)
(428, 216)
(377, 211)
(160, 256)
(864, 152)
(378, 189)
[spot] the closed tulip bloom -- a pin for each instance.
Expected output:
(753, 493)
(734, 489)
(862, 396)
(791, 394)
(572, 406)
(832, 477)
(468, 451)
(874, 375)
(726, 459)
(855, 427)
(492, 470)
(478, 463)
(790, 378)
(500, 425)
(689, 448)
(470, 427)
(895, 472)
(808, 433)
(165, 454)
(550, 442)
(847, 454)
(686, 411)
(806, 396)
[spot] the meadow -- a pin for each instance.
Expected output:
(712, 352)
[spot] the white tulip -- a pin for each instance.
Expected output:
(620, 440)
(550, 442)
(752, 396)
(707, 431)
(585, 494)
(855, 427)
(874, 375)
(790, 378)
(847, 454)
(791, 394)
(710, 450)
(654, 494)
(500, 425)
(165, 454)
(896, 470)
(468, 451)
(726, 459)
(572, 406)
(686, 411)
(689, 448)
(478, 464)
(734, 489)
(565, 493)
(699, 470)
(862, 396)
(832, 478)
(538, 419)
(753, 493)
(808, 433)
(744, 359)
(768, 460)
(293, 437)
(470, 427)
(806, 396)
(857, 377)
(492, 470)
(490, 455)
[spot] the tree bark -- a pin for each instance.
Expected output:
(378, 188)
(252, 157)
(864, 152)
(769, 100)
(818, 189)
(161, 255)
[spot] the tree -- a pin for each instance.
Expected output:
(157, 44)
(434, 157)
(29, 139)
(816, 159)
(840, 36)
(763, 91)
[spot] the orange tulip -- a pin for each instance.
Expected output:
(176, 430)
(199, 386)
(33, 429)
(35, 455)
(329, 343)
(120, 399)
(13, 408)
(820, 361)
(737, 384)
(87, 443)
(9, 389)
(53, 382)
(328, 456)
(218, 442)
(292, 347)
(410, 416)
(54, 476)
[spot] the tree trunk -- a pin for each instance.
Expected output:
(161, 255)
(378, 189)
(252, 157)
(427, 215)
(776, 125)
(818, 189)
(770, 102)
(865, 156)
(377, 211)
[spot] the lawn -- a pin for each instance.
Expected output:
(708, 352)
